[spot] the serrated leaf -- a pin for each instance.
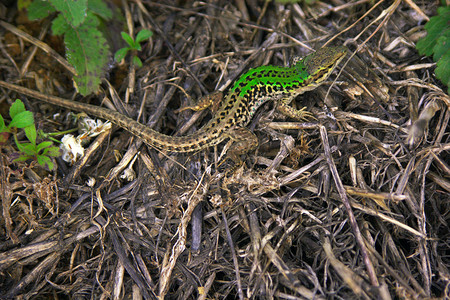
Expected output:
(443, 69)
(22, 120)
(43, 145)
(442, 45)
(45, 161)
(120, 54)
(143, 35)
(100, 8)
(39, 9)
(59, 25)
(30, 132)
(434, 27)
(21, 158)
(52, 151)
(73, 11)
(51, 166)
(127, 38)
(16, 108)
(88, 51)
(27, 148)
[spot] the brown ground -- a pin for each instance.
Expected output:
(352, 205)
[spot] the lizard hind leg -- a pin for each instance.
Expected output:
(243, 141)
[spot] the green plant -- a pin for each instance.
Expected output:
(23, 119)
(86, 48)
(437, 43)
(134, 46)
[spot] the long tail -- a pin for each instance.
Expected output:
(148, 135)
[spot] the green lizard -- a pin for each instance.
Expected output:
(249, 92)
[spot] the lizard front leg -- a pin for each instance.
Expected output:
(243, 141)
(212, 101)
(289, 111)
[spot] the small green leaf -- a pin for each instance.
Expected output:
(27, 148)
(137, 46)
(443, 69)
(74, 12)
(88, 51)
(436, 43)
(442, 45)
(45, 162)
(43, 145)
(434, 27)
(30, 132)
(19, 145)
(137, 61)
(2, 124)
(22, 120)
(39, 9)
(52, 151)
(59, 25)
(51, 166)
(120, 54)
(100, 8)
(16, 108)
(128, 39)
(30, 148)
(143, 35)
(21, 158)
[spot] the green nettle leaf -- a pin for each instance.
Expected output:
(88, 51)
(436, 43)
(22, 120)
(30, 132)
(100, 8)
(434, 28)
(443, 69)
(59, 25)
(45, 162)
(16, 108)
(53, 151)
(143, 35)
(39, 9)
(442, 45)
(73, 11)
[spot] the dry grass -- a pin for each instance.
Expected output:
(352, 205)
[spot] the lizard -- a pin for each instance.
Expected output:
(235, 110)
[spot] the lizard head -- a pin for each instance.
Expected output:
(321, 63)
